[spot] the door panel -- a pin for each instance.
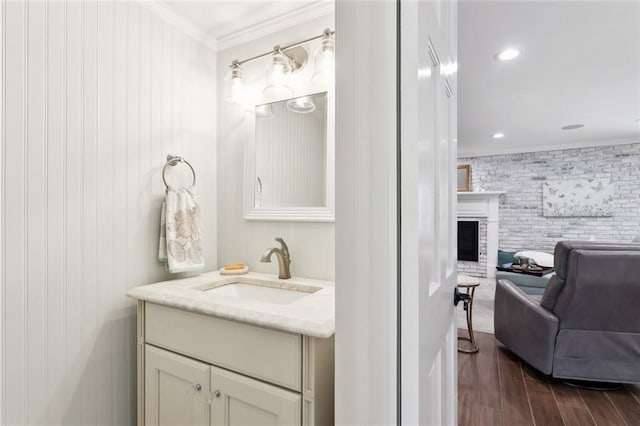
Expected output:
(175, 389)
(428, 212)
(241, 401)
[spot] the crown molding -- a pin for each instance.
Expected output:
(175, 20)
(304, 14)
(574, 145)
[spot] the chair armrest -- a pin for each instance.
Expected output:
(525, 327)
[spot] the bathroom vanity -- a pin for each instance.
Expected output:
(236, 350)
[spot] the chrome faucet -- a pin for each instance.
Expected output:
(282, 254)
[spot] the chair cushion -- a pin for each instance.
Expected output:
(561, 259)
(601, 291)
(505, 257)
(563, 248)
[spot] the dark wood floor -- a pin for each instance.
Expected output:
(496, 388)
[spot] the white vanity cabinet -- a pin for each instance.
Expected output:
(175, 389)
(196, 369)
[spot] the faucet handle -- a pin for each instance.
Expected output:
(285, 248)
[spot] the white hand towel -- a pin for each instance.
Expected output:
(180, 231)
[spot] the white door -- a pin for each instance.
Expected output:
(428, 212)
(240, 401)
(176, 389)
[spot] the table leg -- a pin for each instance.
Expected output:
(472, 337)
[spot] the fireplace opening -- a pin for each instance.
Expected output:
(468, 240)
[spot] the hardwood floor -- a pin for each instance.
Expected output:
(496, 388)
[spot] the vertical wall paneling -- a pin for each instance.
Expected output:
(146, 158)
(55, 195)
(14, 337)
(165, 89)
(104, 204)
(89, 166)
(100, 92)
(2, 183)
(35, 175)
(127, 150)
(71, 390)
(157, 99)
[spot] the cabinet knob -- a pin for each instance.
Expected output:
(198, 387)
(217, 393)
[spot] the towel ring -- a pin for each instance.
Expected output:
(172, 160)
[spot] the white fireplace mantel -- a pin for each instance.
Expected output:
(483, 204)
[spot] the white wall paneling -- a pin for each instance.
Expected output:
(95, 95)
(312, 245)
(2, 179)
(366, 219)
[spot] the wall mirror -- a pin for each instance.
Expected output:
(289, 164)
(464, 178)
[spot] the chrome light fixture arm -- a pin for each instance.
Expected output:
(281, 49)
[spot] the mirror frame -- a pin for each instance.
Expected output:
(291, 214)
(465, 169)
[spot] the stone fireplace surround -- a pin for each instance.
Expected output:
(476, 206)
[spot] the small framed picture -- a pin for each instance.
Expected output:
(464, 178)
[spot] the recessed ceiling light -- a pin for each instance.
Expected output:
(498, 135)
(507, 54)
(573, 126)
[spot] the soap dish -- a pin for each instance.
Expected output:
(234, 271)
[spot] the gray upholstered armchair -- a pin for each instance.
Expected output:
(586, 325)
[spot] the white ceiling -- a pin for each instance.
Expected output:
(218, 18)
(580, 64)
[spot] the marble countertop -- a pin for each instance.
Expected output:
(311, 315)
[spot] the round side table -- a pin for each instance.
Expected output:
(469, 284)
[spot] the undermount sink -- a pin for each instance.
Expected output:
(262, 292)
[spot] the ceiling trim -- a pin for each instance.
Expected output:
(175, 20)
(304, 14)
(573, 145)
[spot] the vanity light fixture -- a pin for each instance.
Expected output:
(323, 70)
(234, 84)
(301, 105)
(277, 72)
(284, 60)
(498, 135)
(507, 54)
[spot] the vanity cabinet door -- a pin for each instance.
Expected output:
(176, 389)
(241, 401)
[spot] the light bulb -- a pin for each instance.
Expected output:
(302, 105)
(234, 84)
(277, 71)
(324, 66)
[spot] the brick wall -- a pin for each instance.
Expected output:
(479, 268)
(521, 223)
